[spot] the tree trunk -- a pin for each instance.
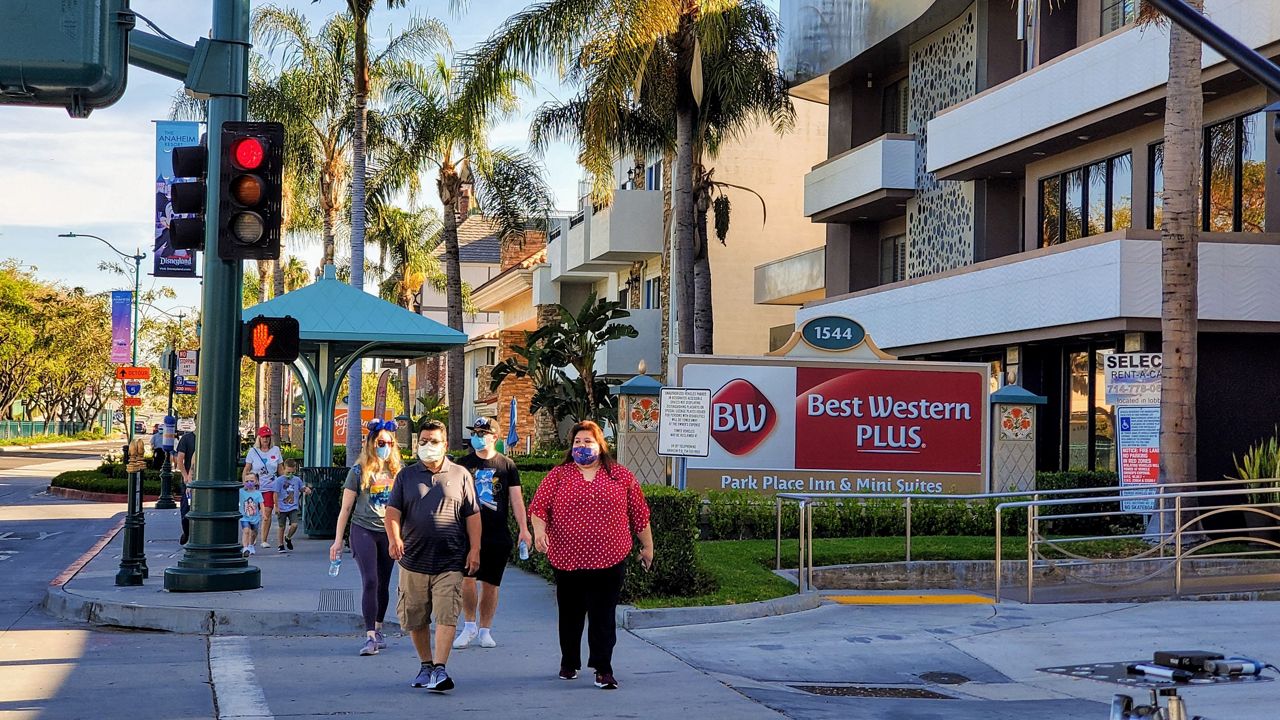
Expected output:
(329, 211)
(703, 322)
(1184, 116)
(354, 424)
(276, 371)
(686, 120)
(450, 186)
(664, 283)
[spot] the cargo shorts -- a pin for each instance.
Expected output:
(421, 596)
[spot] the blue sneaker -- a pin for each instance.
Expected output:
(440, 680)
(370, 647)
(424, 675)
(382, 639)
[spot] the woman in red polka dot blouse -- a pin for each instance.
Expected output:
(583, 516)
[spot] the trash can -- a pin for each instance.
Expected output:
(320, 508)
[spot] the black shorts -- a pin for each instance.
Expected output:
(493, 562)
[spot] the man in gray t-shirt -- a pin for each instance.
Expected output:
(433, 529)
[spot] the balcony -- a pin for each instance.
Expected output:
(620, 358)
(868, 182)
(1092, 90)
(610, 238)
(1105, 283)
(793, 280)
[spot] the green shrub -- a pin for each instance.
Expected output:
(673, 517)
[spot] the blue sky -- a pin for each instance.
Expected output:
(96, 176)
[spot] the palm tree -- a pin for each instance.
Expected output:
(622, 39)
(443, 126)
(405, 240)
(742, 87)
(1179, 238)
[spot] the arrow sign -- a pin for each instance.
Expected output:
(128, 372)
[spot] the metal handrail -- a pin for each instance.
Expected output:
(807, 501)
(1176, 534)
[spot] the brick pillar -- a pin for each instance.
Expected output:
(517, 250)
(546, 433)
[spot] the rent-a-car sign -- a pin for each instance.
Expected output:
(790, 425)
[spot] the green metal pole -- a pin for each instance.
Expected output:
(211, 560)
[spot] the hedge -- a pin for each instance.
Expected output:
(744, 515)
(673, 516)
(94, 481)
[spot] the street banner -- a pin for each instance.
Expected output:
(1138, 440)
(121, 326)
(840, 426)
(1132, 378)
(168, 261)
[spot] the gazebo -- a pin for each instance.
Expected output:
(337, 326)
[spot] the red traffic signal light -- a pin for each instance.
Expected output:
(250, 190)
(270, 339)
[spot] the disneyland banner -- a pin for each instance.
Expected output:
(170, 262)
(121, 326)
(789, 425)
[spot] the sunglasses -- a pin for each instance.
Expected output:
(386, 443)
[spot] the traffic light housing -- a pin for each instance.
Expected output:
(191, 164)
(270, 339)
(250, 194)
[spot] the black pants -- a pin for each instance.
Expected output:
(184, 506)
(591, 596)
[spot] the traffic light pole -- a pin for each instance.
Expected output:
(212, 560)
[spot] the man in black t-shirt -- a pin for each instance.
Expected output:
(498, 493)
(184, 460)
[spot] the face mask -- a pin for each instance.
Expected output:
(585, 455)
(430, 454)
(384, 452)
(477, 442)
(250, 486)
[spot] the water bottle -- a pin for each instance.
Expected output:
(524, 550)
(334, 567)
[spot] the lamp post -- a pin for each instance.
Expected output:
(133, 560)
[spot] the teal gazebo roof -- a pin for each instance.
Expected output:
(331, 311)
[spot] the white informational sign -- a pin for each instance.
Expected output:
(1138, 443)
(188, 363)
(1132, 378)
(684, 424)
(186, 425)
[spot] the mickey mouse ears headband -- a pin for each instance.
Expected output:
(376, 426)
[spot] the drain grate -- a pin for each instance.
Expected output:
(944, 678)
(862, 691)
(337, 601)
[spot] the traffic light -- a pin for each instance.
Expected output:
(270, 339)
(249, 195)
(191, 163)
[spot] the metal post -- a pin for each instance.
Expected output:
(999, 535)
(809, 545)
(211, 560)
(908, 530)
(777, 545)
(130, 572)
(1031, 520)
(165, 501)
(1177, 545)
(800, 543)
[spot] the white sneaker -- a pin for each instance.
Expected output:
(464, 638)
(486, 639)
(266, 544)
(252, 550)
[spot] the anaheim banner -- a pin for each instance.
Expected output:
(791, 425)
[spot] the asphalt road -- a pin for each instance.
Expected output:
(54, 670)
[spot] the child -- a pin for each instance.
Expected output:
(250, 516)
(289, 492)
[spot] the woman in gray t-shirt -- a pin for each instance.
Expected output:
(364, 503)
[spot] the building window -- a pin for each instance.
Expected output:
(1086, 201)
(653, 293)
(1118, 13)
(1233, 183)
(1089, 441)
(893, 259)
(895, 107)
(653, 176)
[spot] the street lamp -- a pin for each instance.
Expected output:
(133, 560)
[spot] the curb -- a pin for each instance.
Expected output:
(73, 494)
(633, 618)
(50, 446)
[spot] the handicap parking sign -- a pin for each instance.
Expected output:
(1125, 424)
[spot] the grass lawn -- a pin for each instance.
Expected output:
(743, 568)
(41, 439)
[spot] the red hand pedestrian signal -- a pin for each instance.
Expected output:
(262, 338)
(271, 339)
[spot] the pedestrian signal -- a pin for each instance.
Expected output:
(270, 339)
(250, 190)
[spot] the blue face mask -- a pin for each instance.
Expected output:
(384, 452)
(477, 442)
(585, 455)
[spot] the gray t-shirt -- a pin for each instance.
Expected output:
(371, 504)
(434, 508)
